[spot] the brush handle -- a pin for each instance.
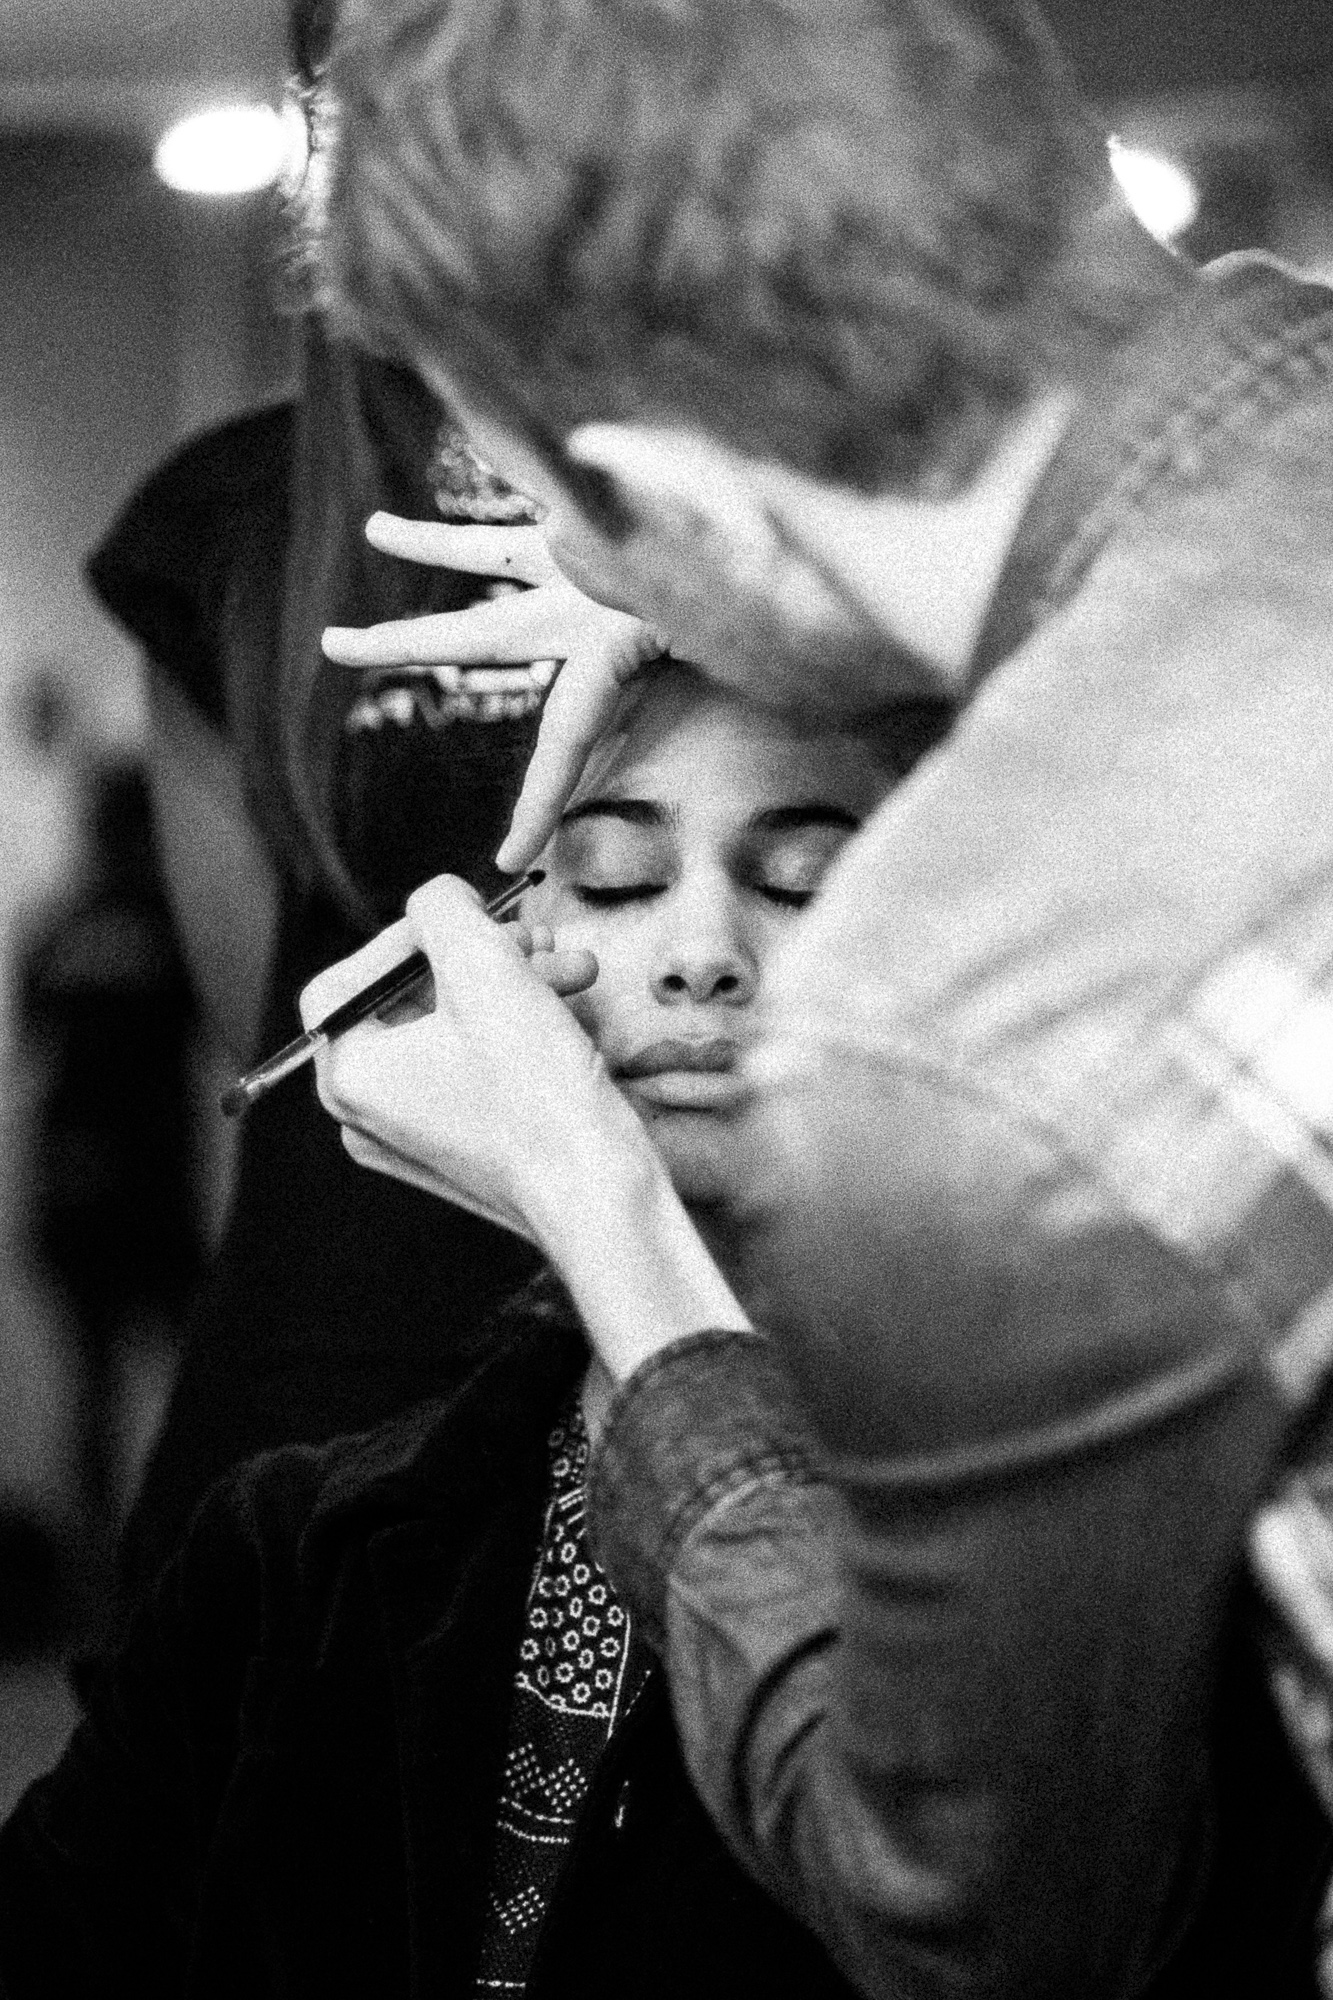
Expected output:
(395, 984)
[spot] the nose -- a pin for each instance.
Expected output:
(704, 956)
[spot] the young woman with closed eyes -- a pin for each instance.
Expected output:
(385, 1713)
(700, 831)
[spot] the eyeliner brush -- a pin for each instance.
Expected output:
(395, 984)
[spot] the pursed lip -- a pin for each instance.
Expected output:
(716, 1057)
(679, 1074)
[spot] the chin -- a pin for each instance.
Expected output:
(698, 1157)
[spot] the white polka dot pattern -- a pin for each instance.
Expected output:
(578, 1673)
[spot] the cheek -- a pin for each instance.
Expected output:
(770, 928)
(597, 1008)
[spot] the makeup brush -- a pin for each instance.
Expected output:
(395, 984)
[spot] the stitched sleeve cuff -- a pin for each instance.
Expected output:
(707, 1416)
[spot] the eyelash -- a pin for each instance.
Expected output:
(608, 899)
(643, 892)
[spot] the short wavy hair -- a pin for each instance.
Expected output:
(847, 235)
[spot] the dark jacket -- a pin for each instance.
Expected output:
(287, 1782)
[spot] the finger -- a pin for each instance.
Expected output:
(474, 958)
(516, 552)
(479, 968)
(578, 710)
(337, 983)
(530, 937)
(465, 947)
(503, 680)
(480, 635)
(499, 632)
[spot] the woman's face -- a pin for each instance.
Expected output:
(699, 832)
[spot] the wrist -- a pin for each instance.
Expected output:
(633, 1262)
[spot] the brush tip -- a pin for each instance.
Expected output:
(234, 1100)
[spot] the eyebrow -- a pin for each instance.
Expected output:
(635, 812)
(777, 819)
(813, 812)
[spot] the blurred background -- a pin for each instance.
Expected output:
(133, 313)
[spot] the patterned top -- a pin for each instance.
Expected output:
(580, 1669)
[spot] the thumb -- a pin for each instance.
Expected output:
(565, 971)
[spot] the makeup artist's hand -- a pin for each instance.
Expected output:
(501, 640)
(488, 1099)
(497, 1100)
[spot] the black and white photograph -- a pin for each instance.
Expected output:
(666, 999)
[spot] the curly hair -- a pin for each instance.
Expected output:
(845, 234)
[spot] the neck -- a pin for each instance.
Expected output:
(712, 1221)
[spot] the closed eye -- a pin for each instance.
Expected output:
(786, 899)
(611, 898)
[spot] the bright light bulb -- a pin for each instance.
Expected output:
(1160, 192)
(232, 149)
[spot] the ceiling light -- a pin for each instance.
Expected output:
(232, 149)
(1159, 191)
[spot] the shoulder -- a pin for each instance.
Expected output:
(231, 462)
(270, 1506)
(290, 1519)
(166, 522)
(164, 569)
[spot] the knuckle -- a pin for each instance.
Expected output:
(443, 896)
(313, 1001)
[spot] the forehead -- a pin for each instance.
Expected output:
(683, 744)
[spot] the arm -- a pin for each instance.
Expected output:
(946, 1683)
(1038, 1197)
